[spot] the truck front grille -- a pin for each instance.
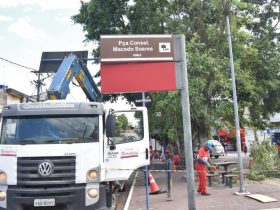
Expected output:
(63, 174)
(59, 184)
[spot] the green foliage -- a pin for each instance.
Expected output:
(171, 134)
(266, 161)
(121, 123)
(165, 120)
(102, 17)
(256, 51)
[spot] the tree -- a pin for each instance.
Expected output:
(266, 162)
(121, 124)
(256, 57)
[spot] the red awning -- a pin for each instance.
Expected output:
(231, 133)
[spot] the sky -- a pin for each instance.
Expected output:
(30, 27)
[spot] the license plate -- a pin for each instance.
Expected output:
(44, 202)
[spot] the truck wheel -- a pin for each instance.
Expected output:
(112, 201)
(111, 198)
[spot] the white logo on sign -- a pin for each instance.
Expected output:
(164, 47)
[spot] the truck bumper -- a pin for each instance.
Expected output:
(68, 198)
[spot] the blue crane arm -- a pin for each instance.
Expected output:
(71, 67)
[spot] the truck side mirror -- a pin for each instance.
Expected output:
(110, 125)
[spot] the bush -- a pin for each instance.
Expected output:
(266, 161)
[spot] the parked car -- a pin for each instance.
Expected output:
(217, 150)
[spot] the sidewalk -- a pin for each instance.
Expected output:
(221, 197)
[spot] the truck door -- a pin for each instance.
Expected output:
(128, 150)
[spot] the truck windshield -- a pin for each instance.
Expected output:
(49, 130)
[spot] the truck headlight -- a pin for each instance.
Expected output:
(3, 178)
(92, 193)
(2, 195)
(92, 174)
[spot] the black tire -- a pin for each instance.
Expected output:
(111, 198)
(112, 201)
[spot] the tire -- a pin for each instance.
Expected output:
(111, 198)
(217, 156)
(113, 201)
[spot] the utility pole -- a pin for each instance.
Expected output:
(236, 118)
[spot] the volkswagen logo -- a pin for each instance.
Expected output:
(45, 168)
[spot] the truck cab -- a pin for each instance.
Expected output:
(66, 155)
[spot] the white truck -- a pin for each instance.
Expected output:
(65, 155)
(58, 155)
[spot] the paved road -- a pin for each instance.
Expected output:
(221, 197)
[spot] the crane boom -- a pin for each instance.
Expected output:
(70, 67)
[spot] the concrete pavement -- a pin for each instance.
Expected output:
(222, 197)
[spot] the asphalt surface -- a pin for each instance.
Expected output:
(222, 197)
(123, 195)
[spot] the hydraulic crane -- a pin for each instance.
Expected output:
(70, 67)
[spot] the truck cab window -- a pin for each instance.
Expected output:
(129, 127)
(50, 130)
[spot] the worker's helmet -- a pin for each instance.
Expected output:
(209, 145)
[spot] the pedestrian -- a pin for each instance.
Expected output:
(168, 152)
(245, 149)
(152, 153)
(176, 161)
(226, 147)
(278, 149)
(202, 163)
(162, 157)
(251, 161)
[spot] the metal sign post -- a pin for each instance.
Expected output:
(146, 167)
(180, 51)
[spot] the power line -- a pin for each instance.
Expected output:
(17, 64)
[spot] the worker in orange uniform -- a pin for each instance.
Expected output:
(202, 163)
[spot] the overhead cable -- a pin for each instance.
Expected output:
(17, 64)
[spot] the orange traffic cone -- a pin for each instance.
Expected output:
(154, 187)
